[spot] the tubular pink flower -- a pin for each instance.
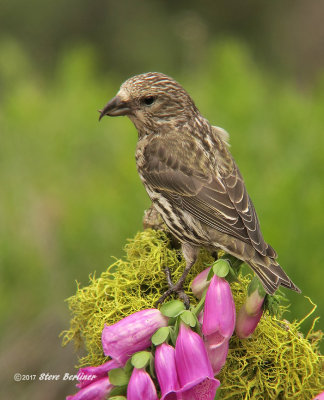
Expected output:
(87, 375)
(249, 315)
(97, 390)
(219, 312)
(141, 386)
(217, 355)
(200, 283)
(165, 368)
(131, 334)
(195, 372)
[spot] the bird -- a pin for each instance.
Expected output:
(192, 179)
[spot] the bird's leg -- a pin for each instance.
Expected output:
(190, 254)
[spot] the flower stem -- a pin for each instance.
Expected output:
(196, 310)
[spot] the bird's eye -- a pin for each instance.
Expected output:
(148, 100)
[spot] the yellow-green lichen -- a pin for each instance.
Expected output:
(277, 362)
(128, 285)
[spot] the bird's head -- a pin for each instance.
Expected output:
(151, 100)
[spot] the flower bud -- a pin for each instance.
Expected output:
(250, 313)
(165, 368)
(97, 390)
(219, 311)
(200, 283)
(87, 375)
(141, 386)
(131, 334)
(217, 355)
(195, 372)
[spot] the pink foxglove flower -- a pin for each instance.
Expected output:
(200, 283)
(217, 355)
(219, 312)
(97, 390)
(194, 369)
(87, 375)
(131, 334)
(141, 386)
(165, 368)
(250, 313)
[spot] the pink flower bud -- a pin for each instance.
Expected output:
(219, 311)
(200, 283)
(97, 390)
(195, 372)
(165, 368)
(249, 315)
(131, 334)
(87, 375)
(141, 386)
(217, 354)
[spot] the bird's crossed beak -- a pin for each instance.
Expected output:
(115, 107)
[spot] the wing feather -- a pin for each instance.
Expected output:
(220, 201)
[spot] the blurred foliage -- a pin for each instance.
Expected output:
(285, 36)
(70, 192)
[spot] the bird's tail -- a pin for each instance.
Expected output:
(271, 274)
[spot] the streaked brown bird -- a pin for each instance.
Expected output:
(192, 179)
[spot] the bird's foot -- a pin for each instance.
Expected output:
(174, 288)
(180, 293)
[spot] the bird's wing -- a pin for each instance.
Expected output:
(180, 171)
(240, 199)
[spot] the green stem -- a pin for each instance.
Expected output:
(200, 305)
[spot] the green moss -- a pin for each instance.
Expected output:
(277, 362)
(128, 285)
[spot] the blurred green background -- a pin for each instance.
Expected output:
(70, 195)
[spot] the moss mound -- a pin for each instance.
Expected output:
(277, 362)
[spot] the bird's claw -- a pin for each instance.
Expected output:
(180, 293)
(174, 288)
